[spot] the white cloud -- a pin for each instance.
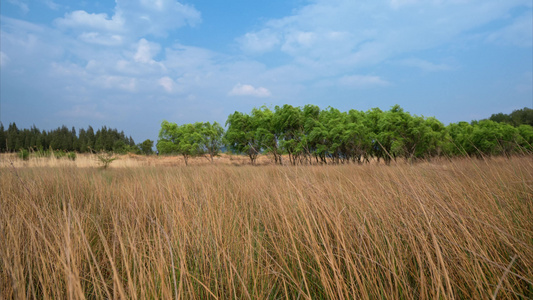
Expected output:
(82, 19)
(101, 39)
(361, 81)
(249, 90)
(156, 17)
(4, 59)
(146, 51)
(347, 33)
(167, 83)
(135, 18)
(258, 42)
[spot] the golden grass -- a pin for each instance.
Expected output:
(154, 229)
(127, 161)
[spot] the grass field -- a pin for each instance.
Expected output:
(152, 228)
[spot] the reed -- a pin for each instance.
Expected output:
(443, 229)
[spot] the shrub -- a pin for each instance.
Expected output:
(59, 154)
(106, 160)
(71, 156)
(24, 154)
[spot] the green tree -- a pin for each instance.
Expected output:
(263, 120)
(185, 140)
(241, 136)
(3, 138)
(311, 131)
(146, 147)
(289, 126)
(357, 137)
(526, 138)
(211, 138)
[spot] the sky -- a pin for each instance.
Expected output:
(130, 64)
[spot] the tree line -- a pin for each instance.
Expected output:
(312, 135)
(69, 140)
(305, 134)
(516, 118)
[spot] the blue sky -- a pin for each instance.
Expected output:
(131, 64)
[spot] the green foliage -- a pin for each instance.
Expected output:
(106, 159)
(516, 118)
(59, 154)
(330, 136)
(24, 154)
(211, 138)
(65, 139)
(190, 140)
(242, 135)
(71, 156)
(146, 147)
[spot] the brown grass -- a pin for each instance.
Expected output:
(446, 229)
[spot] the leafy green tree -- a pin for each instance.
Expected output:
(333, 138)
(289, 126)
(357, 137)
(461, 136)
(185, 140)
(501, 118)
(169, 136)
(241, 135)
(312, 132)
(526, 138)
(120, 147)
(211, 138)
(263, 120)
(522, 116)
(146, 147)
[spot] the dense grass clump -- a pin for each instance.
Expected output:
(445, 229)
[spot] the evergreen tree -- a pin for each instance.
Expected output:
(3, 137)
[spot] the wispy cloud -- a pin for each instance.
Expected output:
(52, 5)
(518, 33)
(4, 59)
(249, 90)
(361, 81)
(20, 4)
(258, 42)
(425, 65)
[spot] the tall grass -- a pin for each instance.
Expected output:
(446, 229)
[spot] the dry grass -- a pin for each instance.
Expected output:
(127, 161)
(446, 229)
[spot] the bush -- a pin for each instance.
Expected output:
(59, 154)
(24, 154)
(71, 156)
(106, 160)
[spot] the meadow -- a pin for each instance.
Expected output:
(150, 227)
